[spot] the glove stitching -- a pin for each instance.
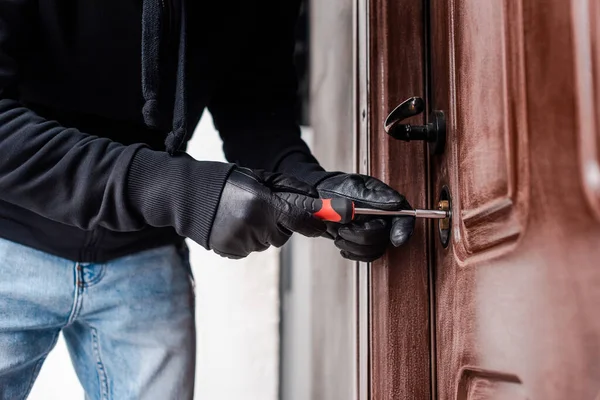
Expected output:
(274, 185)
(249, 190)
(241, 171)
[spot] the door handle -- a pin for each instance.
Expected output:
(434, 132)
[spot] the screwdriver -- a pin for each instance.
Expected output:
(343, 211)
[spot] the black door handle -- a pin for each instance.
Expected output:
(434, 132)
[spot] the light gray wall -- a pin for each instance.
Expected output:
(319, 314)
(333, 278)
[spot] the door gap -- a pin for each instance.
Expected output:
(427, 86)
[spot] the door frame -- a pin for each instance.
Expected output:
(361, 95)
(394, 331)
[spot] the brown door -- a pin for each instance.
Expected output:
(399, 297)
(513, 300)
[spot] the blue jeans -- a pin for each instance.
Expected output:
(128, 324)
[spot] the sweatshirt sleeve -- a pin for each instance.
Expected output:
(86, 181)
(253, 106)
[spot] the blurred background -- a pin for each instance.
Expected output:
(278, 324)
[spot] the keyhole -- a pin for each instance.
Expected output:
(445, 225)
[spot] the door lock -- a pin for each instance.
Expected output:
(434, 132)
(445, 225)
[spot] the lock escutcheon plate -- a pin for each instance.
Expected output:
(445, 225)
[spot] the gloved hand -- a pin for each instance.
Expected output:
(251, 216)
(366, 238)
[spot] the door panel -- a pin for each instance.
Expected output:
(487, 101)
(586, 30)
(517, 290)
(482, 90)
(480, 384)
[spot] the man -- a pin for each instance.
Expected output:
(97, 101)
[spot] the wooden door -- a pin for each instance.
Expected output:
(399, 303)
(510, 308)
(517, 290)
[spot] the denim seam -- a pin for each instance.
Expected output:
(77, 296)
(97, 278)
(100, 367)
(38, 366)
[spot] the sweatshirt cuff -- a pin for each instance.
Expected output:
(177, 191)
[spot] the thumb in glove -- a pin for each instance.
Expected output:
(252, 217)
(367, 237)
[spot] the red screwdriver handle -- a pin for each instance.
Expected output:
(334, 210)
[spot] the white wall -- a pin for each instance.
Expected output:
(237, 311)
(296, 335)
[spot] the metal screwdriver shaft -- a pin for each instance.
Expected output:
(434, 214)
(343, 210)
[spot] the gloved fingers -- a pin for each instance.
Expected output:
(279, 237)
(364, 190)
(402, 230)
(332, 230)
(277, 182)
(367, 252)
(355, 257)
(302, 223)
(287, 183)
(302, 201)
(368, 231)
(241, 253)
(297, 219)
(227, 255)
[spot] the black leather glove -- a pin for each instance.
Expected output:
(251, 216)
(366, 238)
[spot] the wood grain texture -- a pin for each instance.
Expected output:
(525, 305)
(586, 40)
(400, 367)
(487, 104)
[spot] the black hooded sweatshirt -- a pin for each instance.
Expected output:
(98, 99)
